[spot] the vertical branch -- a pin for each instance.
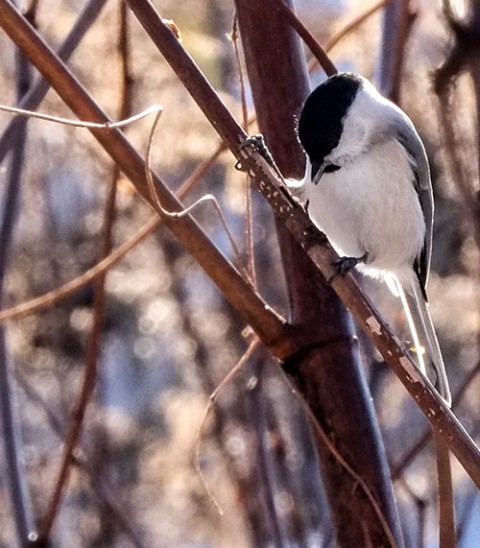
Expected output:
(329, 377)
(9, 416)
(94, 341)
(248, 186)
(398, 18)
(256, 409)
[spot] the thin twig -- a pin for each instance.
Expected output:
(154, 109)
(99, 302)
(307, 37)
(211, 401)
(354, 24)
(206, 198)
(248, 186)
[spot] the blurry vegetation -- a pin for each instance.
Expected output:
(169, 338)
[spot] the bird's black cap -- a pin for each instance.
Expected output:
(320, 122)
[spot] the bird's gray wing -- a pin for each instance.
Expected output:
(408, 137)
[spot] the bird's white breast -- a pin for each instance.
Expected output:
(370, 206)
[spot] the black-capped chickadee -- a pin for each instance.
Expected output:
(368, 188)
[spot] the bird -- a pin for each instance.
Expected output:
(367, 187)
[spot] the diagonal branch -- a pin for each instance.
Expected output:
(270, 327)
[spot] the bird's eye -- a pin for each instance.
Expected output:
(331, 168)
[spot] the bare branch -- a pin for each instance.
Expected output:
(271, 329)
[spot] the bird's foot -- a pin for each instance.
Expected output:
(257, 142)
(345, 264)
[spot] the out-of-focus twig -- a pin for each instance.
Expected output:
(399, 16)
(354, 24)
(48, 299)
(307, 37)
(98, 486)
(89, 378)
(99, 301)
(13, 449)
(39, 89)
(211, 402)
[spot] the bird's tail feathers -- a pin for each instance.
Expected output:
(424, 336)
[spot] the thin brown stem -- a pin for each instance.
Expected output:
(94, 341)
(354, 24)
(248, 185)
(310, 41)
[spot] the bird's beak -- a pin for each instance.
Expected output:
(317, 171)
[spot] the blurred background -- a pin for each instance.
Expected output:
(168, 338)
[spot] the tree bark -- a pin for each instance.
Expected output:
(328, 374)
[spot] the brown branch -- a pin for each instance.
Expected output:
(399, 16)
(279, 89)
